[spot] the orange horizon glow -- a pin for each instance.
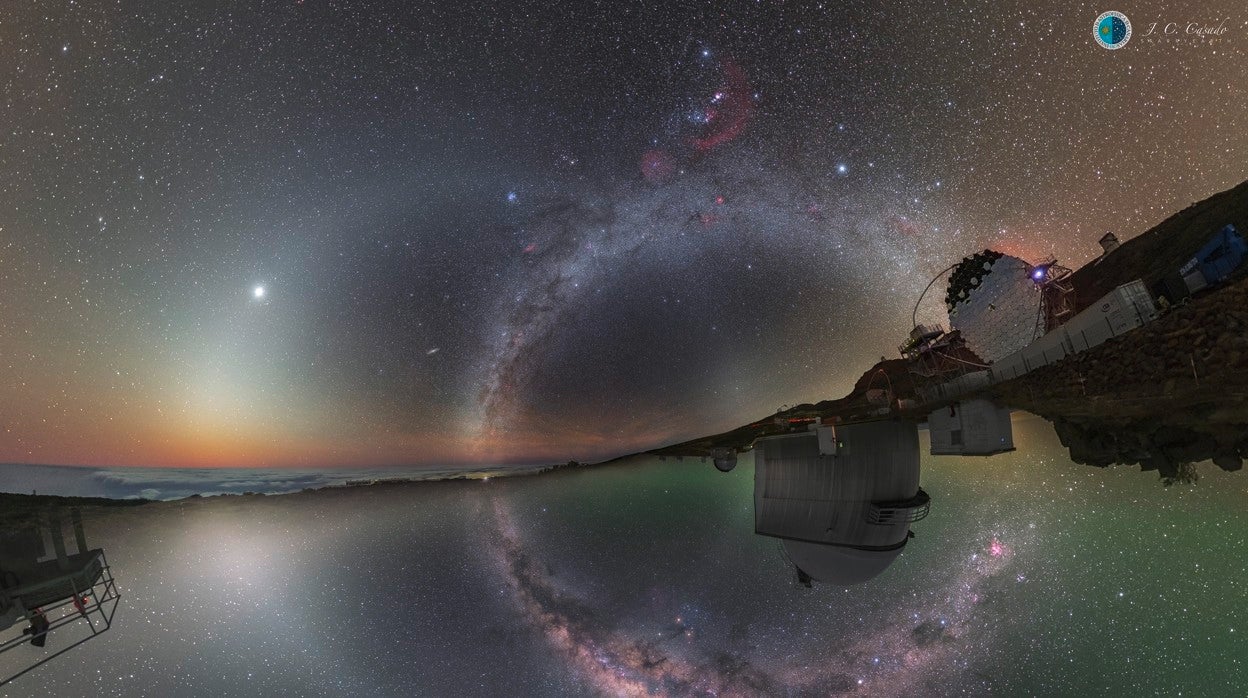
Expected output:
(141, 438)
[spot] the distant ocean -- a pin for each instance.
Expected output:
(176, 483)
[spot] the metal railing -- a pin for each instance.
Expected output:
(96, 604)
(908, 511)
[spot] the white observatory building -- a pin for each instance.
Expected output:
(970, 428)
(841, 499)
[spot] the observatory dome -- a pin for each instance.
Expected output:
(843, 566)
(725, 459)
(994, 303)
(840, 498)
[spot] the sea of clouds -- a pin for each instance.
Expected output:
(175, 483)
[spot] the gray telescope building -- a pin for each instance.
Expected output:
(840, 498)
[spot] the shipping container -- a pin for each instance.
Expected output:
(1125, 308)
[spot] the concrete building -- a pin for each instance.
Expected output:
(971, 428)
(1109, 243)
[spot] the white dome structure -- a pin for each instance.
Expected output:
(841, 499)
(840, 566)
(725, 459)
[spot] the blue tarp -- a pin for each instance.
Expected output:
(1222, 255)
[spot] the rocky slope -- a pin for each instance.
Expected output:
(1168, 394)
(1162, 248)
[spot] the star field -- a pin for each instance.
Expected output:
(352, 233)
(1031, 576)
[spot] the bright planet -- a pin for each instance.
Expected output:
(593, 348)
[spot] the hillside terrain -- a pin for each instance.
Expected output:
(1167, 394)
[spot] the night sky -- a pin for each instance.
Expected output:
(1031, 576)
(332, 233)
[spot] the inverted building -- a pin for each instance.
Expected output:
(841, 499)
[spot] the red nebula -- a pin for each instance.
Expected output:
(996, 548)
(732, 111)
(657, 166)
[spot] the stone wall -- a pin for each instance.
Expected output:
(1172, 392)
